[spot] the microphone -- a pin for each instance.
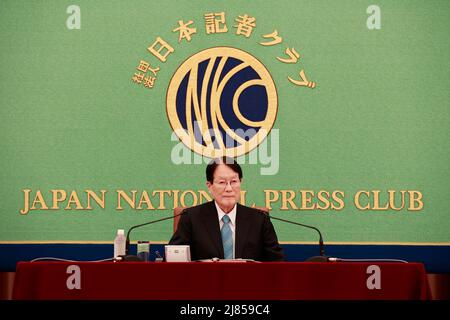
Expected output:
(127, 256)
(322, 257)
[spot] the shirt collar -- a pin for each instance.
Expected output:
(232, 213)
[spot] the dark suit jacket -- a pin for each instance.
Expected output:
(255, 237)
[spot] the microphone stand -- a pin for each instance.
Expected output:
(127, 256)
(322, 257)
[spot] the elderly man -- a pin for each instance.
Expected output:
(223, 228)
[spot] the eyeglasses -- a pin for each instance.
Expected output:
(223, 183)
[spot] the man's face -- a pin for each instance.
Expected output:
(225, 188)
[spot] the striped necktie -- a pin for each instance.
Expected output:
(227, 237)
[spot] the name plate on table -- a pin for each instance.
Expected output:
(178, 253)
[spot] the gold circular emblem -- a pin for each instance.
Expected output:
(222, 101)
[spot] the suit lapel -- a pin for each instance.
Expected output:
(212, 227)
(242, 228)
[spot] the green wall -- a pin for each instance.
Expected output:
(378, 119)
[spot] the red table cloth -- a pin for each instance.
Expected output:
(221, 281)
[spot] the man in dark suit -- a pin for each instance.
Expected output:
(223, 228)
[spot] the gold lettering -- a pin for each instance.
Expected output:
(26, 199)
(392, 200)
(57, 198)
(100, 202)
(39, 199)
(323, 199)
(376, 201)
(161, 49)
(242, 198)
(145, 199)
(339, 200)
(269, 199)
(306, 199)
(73, 198)
(121, 194)
(357, 204)
(194, 198)
(285, 199)
(205, 196)
(162, 205)
(413, 200)
(175, 198)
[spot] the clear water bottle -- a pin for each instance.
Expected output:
(143, 250)
(119, 243)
